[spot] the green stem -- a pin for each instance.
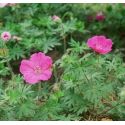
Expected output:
(39, 87)
(64, 38)
(55, 74)
(98, 58)
(86, 77)
(8, 63)
(9, 66)
(38, 90)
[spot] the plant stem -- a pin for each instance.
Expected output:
(39, 87)
(9, 66)
(55, 74)
(64, 38)
(86, 77)
(98, 58)
(8, 63)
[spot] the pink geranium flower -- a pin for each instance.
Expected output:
(55, 18)
(100, 16)
(100, 44)
(37, 68)
(6, 36)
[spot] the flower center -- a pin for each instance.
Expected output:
(5, 36)
(38, 70)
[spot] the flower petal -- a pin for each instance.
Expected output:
(30, 78)
(100, 44)
(26, 66)
(46, 75)
(41, 60)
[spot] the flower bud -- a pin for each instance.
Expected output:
(56, 18)
(6, 36)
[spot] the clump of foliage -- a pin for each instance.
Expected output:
(91, 83)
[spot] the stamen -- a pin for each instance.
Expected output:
(38, 70)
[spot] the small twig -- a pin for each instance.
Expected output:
(107, 110)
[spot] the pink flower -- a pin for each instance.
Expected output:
(3, 5)
(55, 18)
(100, 16)
(6, 36)
(100, 44)
(37, 68)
